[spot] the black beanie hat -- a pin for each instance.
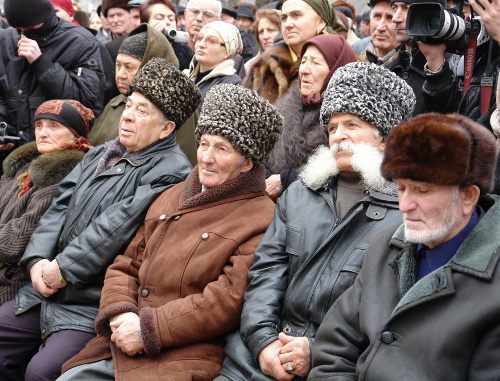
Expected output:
(135, 45)
(69, 112)
(24, 13)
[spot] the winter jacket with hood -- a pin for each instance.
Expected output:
(387, 326)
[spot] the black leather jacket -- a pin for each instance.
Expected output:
(91, 220)
(305, 261)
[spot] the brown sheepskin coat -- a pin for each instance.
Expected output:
(19, 216)
(273, 72)
(184, 274)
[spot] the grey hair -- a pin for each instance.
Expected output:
(219, 5)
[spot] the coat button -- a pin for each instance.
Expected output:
(162, 217)
(43, 331)
(204, 236)
(118, 170)
(287, 329)
(387, 337)
(145, 293)
(177, 217)
(19, 92)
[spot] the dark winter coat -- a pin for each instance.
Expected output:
(19, 216)
(387, 326)
(91, 220)
(184, 275)
(301, 135)
(306, 260)
(69, 68)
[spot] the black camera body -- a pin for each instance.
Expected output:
(4, 138)
(431, 23)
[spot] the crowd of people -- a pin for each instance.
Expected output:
(213, 192)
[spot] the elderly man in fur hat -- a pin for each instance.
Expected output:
(323, 223)
(168, 301)
(425, 305)
(96, 212)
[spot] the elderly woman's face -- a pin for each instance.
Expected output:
(51, 135)
(219, 161)
(299, 23)
(313, 71)
(267, 31)
(209, 49)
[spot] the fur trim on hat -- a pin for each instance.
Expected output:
(239, 115)
(370, 92)
(170, 90)
(441, 149)
(107, 4)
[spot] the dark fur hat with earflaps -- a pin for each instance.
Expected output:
(441, 149)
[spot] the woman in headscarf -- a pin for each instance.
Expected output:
(300, 106)
(216, 44)
(32, 173)
(277, 67)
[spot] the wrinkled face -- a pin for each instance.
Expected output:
(400, 10)
(160, 14)
(126, 69)
(313, 71)
(198, 14)
(141, 124)
(135, 15)
(245, 24)
(62, 14)
(299, 23)
(349, 128)
(267, 32)
(209, 49)
(219, 161)
(382, 29)
(120, 21)
(51, 135)
(433, 214)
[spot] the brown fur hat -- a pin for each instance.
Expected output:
(107, 4)
(441, 149)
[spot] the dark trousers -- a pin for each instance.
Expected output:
(21, 346)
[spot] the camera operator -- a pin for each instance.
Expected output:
(425, 67)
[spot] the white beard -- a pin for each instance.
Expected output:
(365, 161)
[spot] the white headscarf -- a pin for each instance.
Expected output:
(230, 36)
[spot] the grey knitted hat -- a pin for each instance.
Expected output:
(170, 90)
(370, 92)
(250, 123)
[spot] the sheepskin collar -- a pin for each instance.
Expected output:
(249, 182)
(45, 170)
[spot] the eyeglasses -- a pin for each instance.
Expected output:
(206, 13)
(209, 40)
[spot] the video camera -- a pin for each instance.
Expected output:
(3, 134)
(433, 24)
(176, 35)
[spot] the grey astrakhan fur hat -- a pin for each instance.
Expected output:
(250, 123)
(170, 90)
(370, 92)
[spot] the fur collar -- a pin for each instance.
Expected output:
(301, 134)
(47, 169)
(249, 182)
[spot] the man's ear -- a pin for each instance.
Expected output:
(247, 165)
(471, 196)
(167, 129)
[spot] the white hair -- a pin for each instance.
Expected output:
(219, 5)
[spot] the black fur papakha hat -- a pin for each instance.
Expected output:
(170, 90)
(239, 115)
(441, 149)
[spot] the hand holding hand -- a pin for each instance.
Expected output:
(295, 350)
(125, 333)
(52, 276)
(28, 48)
(274, 187)
(37, 278)
(270, 363)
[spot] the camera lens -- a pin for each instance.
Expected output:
(432, 23)
(453, 27)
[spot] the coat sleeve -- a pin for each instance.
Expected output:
(16, 232)
(202, 316)
(440, 91)
(84, 81)
(87, 257)
(339, 342)
(268, 280)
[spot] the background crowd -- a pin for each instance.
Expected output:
(189, 192)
